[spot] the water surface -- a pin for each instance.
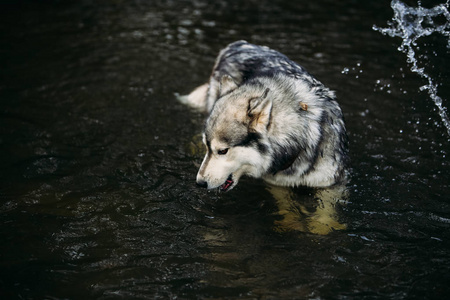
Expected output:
(97, 167)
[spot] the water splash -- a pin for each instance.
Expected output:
(412, 23)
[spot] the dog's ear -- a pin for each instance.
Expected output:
(259, 111)
(227, 84)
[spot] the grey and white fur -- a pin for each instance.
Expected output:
(270, 119)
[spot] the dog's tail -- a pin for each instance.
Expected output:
(197, 98)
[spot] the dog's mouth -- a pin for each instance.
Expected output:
(227, 184)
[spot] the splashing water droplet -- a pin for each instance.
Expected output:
(412, 23)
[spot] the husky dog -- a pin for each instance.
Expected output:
(270, 119)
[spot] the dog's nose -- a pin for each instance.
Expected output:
(202, 183)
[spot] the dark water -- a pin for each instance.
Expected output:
(97, 192)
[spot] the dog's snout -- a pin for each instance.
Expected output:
(202, 183)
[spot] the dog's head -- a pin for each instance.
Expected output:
(236, 135)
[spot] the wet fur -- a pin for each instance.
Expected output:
(256, 99)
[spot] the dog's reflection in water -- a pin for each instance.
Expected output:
(318, 216)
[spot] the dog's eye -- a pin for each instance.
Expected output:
(222, 151)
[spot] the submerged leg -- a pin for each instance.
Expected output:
(296, 217)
